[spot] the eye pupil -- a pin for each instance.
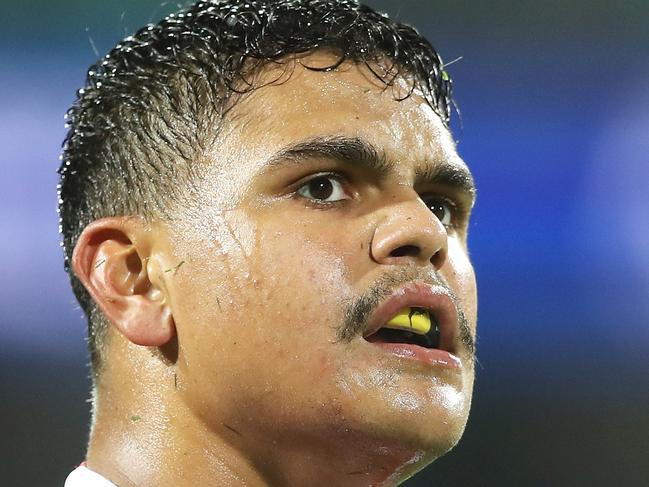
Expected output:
(321, 188)
(441, 209)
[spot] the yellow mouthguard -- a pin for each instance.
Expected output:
(411, 319)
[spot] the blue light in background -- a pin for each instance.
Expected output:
(547, 135)
(555, 106)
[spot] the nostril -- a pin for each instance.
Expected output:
(438, 259)
(406, 251)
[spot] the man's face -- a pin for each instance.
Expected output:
(286, 252)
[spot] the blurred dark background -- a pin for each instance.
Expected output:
(554, 98)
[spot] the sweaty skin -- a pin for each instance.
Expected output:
(255, 388)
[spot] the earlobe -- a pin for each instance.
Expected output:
(111, 262)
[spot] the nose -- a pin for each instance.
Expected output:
(411, 234)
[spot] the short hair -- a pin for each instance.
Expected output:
(153, 105)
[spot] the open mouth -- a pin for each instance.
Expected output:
(417, 321)
(413, 326)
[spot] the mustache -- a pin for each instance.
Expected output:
(359, 310)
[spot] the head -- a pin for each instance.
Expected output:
(244, 187)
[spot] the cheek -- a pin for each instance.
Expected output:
(303, 285)
(307, 256)
(461, 277)
(261, 286)
(216, 253)
(308, 279)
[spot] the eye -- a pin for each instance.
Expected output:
(325, 188)
(441, 208)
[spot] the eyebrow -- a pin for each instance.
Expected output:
(352, 150)
(359, 152)
(451, 176)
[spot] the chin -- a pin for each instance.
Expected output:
(404, 441)
(424, 448)
(435, 439)
(401, 457)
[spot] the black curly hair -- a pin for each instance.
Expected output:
(153, 105)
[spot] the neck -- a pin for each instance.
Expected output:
(149, 436)
(157, 444)
(132, 448)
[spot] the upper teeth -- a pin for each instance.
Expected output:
(416, 320)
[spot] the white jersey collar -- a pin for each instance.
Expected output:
(82, 476)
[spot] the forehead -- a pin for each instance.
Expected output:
(295, 103)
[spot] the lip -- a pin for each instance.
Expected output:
(438, 301)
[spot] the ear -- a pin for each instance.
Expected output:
(110, 259)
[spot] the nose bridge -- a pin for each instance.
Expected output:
(409, 233)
